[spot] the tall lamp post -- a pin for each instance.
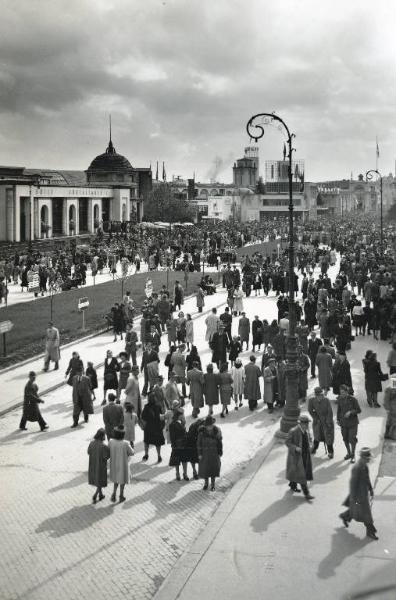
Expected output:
(291, 411)
(369, 176)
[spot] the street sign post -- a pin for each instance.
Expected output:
(5, 327)
(83, 304)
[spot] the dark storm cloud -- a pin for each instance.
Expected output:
(181, 78)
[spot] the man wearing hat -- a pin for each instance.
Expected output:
(244, 330)
(347, 417)
(319, 408)
(358, 501)
(299, 465)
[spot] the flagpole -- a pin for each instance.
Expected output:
(376, 153)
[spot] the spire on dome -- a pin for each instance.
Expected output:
(110, 148)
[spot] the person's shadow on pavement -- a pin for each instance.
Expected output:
(276, 511)
(343, 544)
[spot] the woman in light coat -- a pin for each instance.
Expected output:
(189, 331)
(238, 382)
(225, 389)
(120, 452)
(238, 301)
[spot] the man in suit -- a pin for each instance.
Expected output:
(113, 416)
(358, 502)
(82, 397)
(226, 319)
(314, 344)
(347, 417)
(299, 465)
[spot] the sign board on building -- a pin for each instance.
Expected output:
(83, 303)
(6, 326)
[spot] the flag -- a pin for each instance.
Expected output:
(377, 149)
(296, 172)
(284, 151)
(156, 173)
(163, 172)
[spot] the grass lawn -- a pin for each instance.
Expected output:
(31, 318)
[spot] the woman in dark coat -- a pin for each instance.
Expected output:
(191, 442)
(178, 438)
(257, 332)
(210, 449)
(219, 346)
(273, 331)
(211, 388)
(235, 348)
(341, 373)
(75, 365)
(373, 377)
(153, 426)
(266, 334)
(99, 454)
(192, 357)
(111, 367)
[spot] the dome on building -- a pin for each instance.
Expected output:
(110, 162)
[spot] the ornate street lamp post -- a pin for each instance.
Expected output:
(291, 411)
(369, 177)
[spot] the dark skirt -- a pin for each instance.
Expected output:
(179, 455)
(110, 381)
(153, 435)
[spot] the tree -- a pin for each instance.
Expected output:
(166, 204)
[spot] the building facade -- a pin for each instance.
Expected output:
(39, 203)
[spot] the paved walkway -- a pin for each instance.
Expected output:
(92, 348)
(265, 542)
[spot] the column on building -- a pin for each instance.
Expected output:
(10, 216)
(17, 223)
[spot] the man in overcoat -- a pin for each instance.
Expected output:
(299, 464)
(244, 330)
(82, 397)
(358, 501)
(195, 379)
(31, 401)
(347, 417)
(252, 383)
(319, 408)
(219, 345)
(341, 373)
(52, 343)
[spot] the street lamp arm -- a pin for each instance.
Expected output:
(268, 117)
(370, 174)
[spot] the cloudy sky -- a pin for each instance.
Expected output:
(181, 78)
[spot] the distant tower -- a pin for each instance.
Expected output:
(246, 169)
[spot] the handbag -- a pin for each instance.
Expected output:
(384, 376)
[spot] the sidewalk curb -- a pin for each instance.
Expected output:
(181, 572)
(50, 389)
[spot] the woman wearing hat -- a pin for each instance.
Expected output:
(180, 452)
(132, 391)
(226, 382)
(211, 388)
(360, 492)
(120, 452)
(99, 454)
(210, 449)
(153, 424)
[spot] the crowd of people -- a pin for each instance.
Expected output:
(329, 315)
(179, 248)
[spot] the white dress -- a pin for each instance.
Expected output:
(238, 378)
(238, 304)
(120, 451)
